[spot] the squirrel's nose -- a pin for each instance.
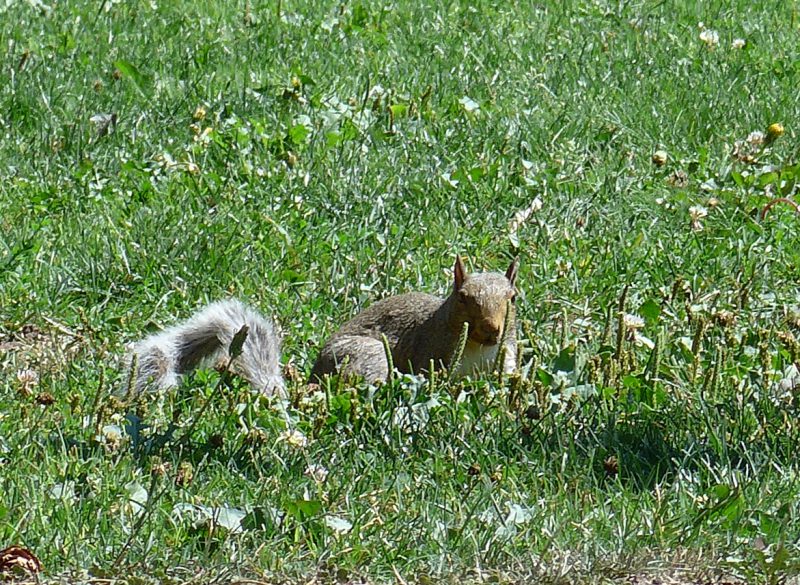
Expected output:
(491, 332)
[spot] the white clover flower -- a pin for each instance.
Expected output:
(316, 472)
(709, 37)
(632, 322)
(28, 378)
(660, 158)
(377, 91)
(294, 438)
(697, 213)
(523, 215)
(790, 380)
(314, 399)
(112, 433)
(111, 437)
(338, 524)
(738, 44)
(756, 138)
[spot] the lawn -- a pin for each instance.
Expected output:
(312, 157)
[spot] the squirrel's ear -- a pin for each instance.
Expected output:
(459, 274)
(511, 273)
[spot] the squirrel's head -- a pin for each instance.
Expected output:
(482, 300)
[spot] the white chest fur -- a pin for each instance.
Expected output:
(477, 359)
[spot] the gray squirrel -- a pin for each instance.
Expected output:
(420, 329)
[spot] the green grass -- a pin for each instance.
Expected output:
(347, 151)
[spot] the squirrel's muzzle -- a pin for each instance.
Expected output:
(486, 333)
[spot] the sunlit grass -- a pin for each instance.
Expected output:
(313, 157)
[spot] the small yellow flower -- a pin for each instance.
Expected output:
(203, 137)
(774, 132)
(199, 113)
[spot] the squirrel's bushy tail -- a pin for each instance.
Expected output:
(162, 358)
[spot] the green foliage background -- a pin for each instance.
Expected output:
(312, 157)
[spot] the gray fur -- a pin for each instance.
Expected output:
(422, 328)
(205, 337)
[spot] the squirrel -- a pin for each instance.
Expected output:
(162, 358)
(422, 329)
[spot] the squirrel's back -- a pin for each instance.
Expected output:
(396, 316)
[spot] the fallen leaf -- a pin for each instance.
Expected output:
(17, 559)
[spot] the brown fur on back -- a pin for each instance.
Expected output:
(421, 328)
